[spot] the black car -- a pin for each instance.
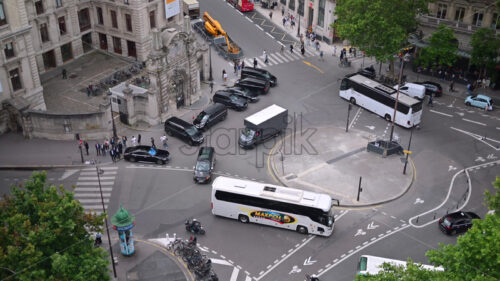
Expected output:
(259, 73)
(368, 72)
(204, 165)
(183, 130)
(244, 93)
(230, 100)
(432, 88)
(258, 86)
(146, 153)
(210, 116)
(457, 222)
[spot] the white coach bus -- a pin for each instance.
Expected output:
(372, 265)
(380, 99)
(294, 209)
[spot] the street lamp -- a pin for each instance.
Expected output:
(210, 77)
(406, 57)
(99, 172)
(298, 29)
(408, 150)
(115, 136)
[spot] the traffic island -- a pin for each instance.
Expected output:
(338, 163)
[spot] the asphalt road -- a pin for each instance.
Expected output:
(450, 139)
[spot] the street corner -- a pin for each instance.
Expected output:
(338, 163)
(151, 261)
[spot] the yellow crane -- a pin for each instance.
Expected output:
(215, 29)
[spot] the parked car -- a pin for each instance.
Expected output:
(146, 153)
(204, 165)
(480, 101)
(260, 87)
(259, 73)
(183, 130)
(230, 100)
(210, 116)
(413, 90)
(457, 222)
(244, 93)
(368, 72)
(432, 88)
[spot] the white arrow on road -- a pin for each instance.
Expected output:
(451, 168)
(360, 232)
(372, 226)
(308, 261)
(480, 159)
(371, 127)
(418, 201)
(295, 269)
(491, 156)
(460, 113)
(68, 173)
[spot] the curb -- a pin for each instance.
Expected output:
(48, 167)
(271, 168)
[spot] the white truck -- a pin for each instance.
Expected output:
(263, 125)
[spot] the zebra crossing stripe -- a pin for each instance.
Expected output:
(272, 60)
(311, 53)
(281, 57)
(98, 208)
(260, 63)
(275, 57)
(95, 178)
(97, 200)
(297, 56)
(288, 56)
(92, 189)
(102, 168)
(92, 195)
(94, 173)
(95, 183)
(249, 62)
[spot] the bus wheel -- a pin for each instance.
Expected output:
(301, 229)
(387, 117)
(243, 218)
(353, 101)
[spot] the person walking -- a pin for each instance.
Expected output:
(153, 142)
(266, 59)
(64, 74)
(211, 86)
(255, 63)
(97, 149)
(88, 92)
(139, 139)
(225, 76)
(133, 140)
(163, 140)
(430, 100)
(282, 49)
(321, 56)
(235, 66)
(334, 50)
(469, 89)
(291, 48)
(302, 50)
(451, 90)
(283, 11)
(86, 144)
(112, 154)
(120, 148)
(284, 21)
(103, 150)
(271, 15)
(124, 141)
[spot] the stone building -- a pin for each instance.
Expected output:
(39, 35)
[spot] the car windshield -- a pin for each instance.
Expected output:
(200, 117)
(203, 166)
(192, 131)
(248, 133)
(234, 98)
(447, 222)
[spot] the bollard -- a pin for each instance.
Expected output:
(417, 219)
(434, 216)
(115, 260)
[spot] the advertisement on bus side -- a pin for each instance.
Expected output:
(273, 216)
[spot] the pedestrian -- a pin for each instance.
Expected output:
(223, 72)
(321, 56)
(88, 92)
(103, 150)
(282, 49)
(350, 51)
(302, 50)
(163, 140)
(112, 154)
(354, 51)
(120, 148)
(225, 77)
(469, 89)
(133, 140)
(317, 45)
(334, 50)
(254, 62)
(451, 86)
(211, 86)
(153, 142)
(117, 152)
(291, 48)
(266, 59)
(271, 15)
(283, 11)
(97, 149)
(284, 21)
(86, 144)
(64, 74)
(242, 64)
(430, 100)
(124, 141)
(235, 67)
(139, 139)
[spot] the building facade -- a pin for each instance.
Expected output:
(316, 15)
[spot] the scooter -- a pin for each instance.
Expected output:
(194, 227)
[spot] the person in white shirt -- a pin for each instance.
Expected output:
(133, 140)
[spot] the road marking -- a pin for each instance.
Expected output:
(438, 112)
(102, 168)
(269, 35)
(313, 66)
(159, 168)
(281, 44)
(218, 261)
(68, 173)
(234, 275)
(479, 138)
(239, 12)
(229, 5)
(95, 178)
(93, 201)
(91, 195)
(259, 27)
(248, 19)
(475, 122)
(95, 183)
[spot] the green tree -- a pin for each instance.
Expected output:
(412, 272)
(493, 200)
(378, 27)
(442, 48)
(485, 45)
(43, 235)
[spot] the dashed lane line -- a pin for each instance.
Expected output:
(259, 27)
(475, 122)
(249, 19)
(441, 113)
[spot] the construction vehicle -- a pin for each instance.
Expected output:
(215, 34)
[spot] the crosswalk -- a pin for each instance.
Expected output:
(279, 58)
(87, 188)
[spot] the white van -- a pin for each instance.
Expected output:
(412, 90)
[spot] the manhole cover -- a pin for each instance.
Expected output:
(73, 76)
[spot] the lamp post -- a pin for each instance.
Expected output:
(298, 29)
(408, 150)
(99, 172)
(210, 77)
(406, 57)
(115, 136)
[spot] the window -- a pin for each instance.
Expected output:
(459, 14)
(9, 50)
(100, 18)
(15, 79)
(477, 20)
(283, 2)
(39, 7)
(495, 21)
(114, 22)
(58, 3)
(321, 13)
(3, 19)
(128, 22)
(84, 19)
(117, 45)
(62, 25)
(152, 19)
(300, 8)
(44, 32)
(291, 5)
(126, 1)
(441, 13)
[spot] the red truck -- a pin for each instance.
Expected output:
(242, 5)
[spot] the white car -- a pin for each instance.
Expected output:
(413, 90)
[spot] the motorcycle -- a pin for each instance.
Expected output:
(194, 227)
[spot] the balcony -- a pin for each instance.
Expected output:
(431, 21)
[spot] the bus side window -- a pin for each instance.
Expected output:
(344, 85)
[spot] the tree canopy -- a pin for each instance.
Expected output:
(412, 272)
(43, 235)
(485, 45)
(442, 48)
(378, 27)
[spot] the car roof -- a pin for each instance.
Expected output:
(252, 80)
(460, 215)
(483, 97)
(145, 148)
(205, 153)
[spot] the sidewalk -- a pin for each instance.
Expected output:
(332, 161)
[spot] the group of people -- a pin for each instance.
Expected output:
(112, 146)
(288, 20)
